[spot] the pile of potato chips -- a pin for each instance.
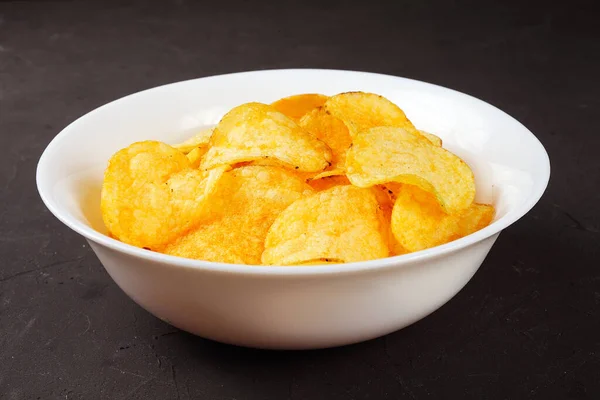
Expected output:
(308, 179)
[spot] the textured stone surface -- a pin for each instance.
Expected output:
(526, 326)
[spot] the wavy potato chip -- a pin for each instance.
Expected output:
(254, 131)
(386, 154)
(432, 138)
(418, 221)
(361, 111)
(343, 223)
(332, 131)
(151, 195)
(298, 105)
(200, 139)
(245, 204)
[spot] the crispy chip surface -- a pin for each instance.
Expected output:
(254, 131)
(436, 140)
(200, 139)
(343, 223)
(273, 162)
(328, 182)
(386, 154)
(151, 195)
(361, 111)
(195, 156)
(296, 106)
(386, 196)
(418, 221)
(327, 173)
(243, 208)
(332, 131)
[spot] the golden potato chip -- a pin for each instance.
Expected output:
(328, 182)
(343, 223)
(361, 111)
(332, 131)
(386, 154)
(195, 156)
(151, 195)
(200, 139)
(254, 131)
(418, 221)
(245, 204)
(298, 105)
(432, 138)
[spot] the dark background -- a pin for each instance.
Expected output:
(526, 326)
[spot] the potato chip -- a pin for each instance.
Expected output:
(418, 221)
(151, 195)
(328, 182)
(343, 223)
(244, 206)
(361, 111)
(332, 131)
(432, 138)
(298, 105)
(254, 131)
(195, 156)
(200, 139)
(386, 154)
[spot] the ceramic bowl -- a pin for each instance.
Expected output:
(291, 307)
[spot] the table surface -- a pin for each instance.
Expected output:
(526, 326)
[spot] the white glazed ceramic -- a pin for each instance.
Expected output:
(291, 307)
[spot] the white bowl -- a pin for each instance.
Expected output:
(291, 307)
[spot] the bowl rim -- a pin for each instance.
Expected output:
(278, 270)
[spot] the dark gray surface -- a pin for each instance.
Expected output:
(526, 326)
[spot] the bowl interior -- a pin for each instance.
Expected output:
(510, 165)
